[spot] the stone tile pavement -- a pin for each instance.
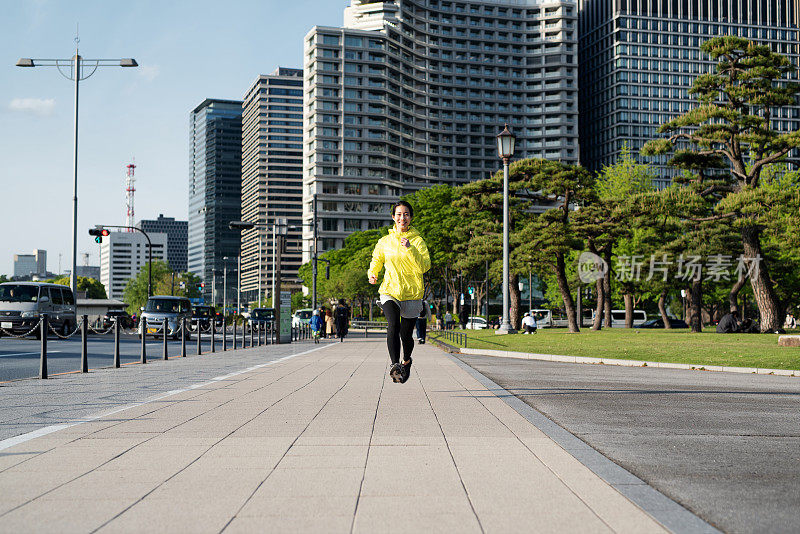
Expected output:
(320, 442)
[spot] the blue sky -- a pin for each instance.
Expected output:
(187, 51)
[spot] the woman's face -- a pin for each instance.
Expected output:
(402, 218)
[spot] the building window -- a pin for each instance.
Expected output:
(352, 189)
(352, 225)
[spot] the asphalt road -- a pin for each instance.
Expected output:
(19, 358)
(726, 446)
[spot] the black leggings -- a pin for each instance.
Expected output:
(399, 328)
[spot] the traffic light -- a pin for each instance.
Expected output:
(99, 232)
(328, 271)
(200, 286)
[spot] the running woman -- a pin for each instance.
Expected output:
(405, 255)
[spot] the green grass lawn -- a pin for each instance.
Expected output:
(675, 346)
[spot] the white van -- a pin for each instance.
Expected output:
(618, 318)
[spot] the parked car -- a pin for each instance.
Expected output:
(203, 314)
(659, 323)
(476, 323)
(160, 307)
(22, 304)
(262, 316)
(125, 320)
(302, 316)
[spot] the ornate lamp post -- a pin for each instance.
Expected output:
(505, 151)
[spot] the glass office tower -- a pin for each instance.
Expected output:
(638, 59)
(411, 93)
(215, 189)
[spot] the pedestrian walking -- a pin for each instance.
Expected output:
(330, 327)
(404, 254)
(322, 318)
(342, 319)
(422, 322)
(316, 325)
(448, 320)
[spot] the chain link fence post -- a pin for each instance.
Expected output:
(84, 351)
(199, 347)
(235, 324)
(213, 334)
(43, 356)
(183, 337)
(165, 328)
(116, 344)
(143, 356)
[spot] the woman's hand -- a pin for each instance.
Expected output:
(405, 242)
(372, 279)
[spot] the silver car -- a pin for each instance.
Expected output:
(173, 309)
(23, 303)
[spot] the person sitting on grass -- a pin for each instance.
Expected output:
(729, 323)
(529, 323)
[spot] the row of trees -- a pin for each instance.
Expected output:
(735, 204)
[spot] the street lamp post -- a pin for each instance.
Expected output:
(505, 150)
(76, 65)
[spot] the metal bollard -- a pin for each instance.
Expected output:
(224, 335)
(251, 336)
(143, 357)
(235, 322)
(43, 357)
(183, 337)
(213, 334)
(165, 328)
(258, 334)
(199, 348)
(116, 343)
(84, 352)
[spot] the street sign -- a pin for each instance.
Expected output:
(462, 299)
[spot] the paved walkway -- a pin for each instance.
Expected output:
(321, 441)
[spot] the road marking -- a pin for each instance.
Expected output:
(22, 438)
(27, 353)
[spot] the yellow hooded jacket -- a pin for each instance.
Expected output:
(404, 266)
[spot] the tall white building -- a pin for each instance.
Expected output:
(123, 255)
(272, 174)
(412, 93)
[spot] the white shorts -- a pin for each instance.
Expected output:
(410, 309)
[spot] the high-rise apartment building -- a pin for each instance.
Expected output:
(123, 255)
(639, 58)
(215, 188)
(412, 93)
(272, 174)
(177, 235)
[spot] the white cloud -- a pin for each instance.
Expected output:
(42, 107)
(148, 72)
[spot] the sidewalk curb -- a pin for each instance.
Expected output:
(664, 510)
(624, 363)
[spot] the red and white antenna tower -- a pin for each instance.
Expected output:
(129, 191)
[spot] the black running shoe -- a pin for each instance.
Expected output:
(396, 372)
(406, 370)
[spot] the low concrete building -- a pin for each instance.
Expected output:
(95, 309)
